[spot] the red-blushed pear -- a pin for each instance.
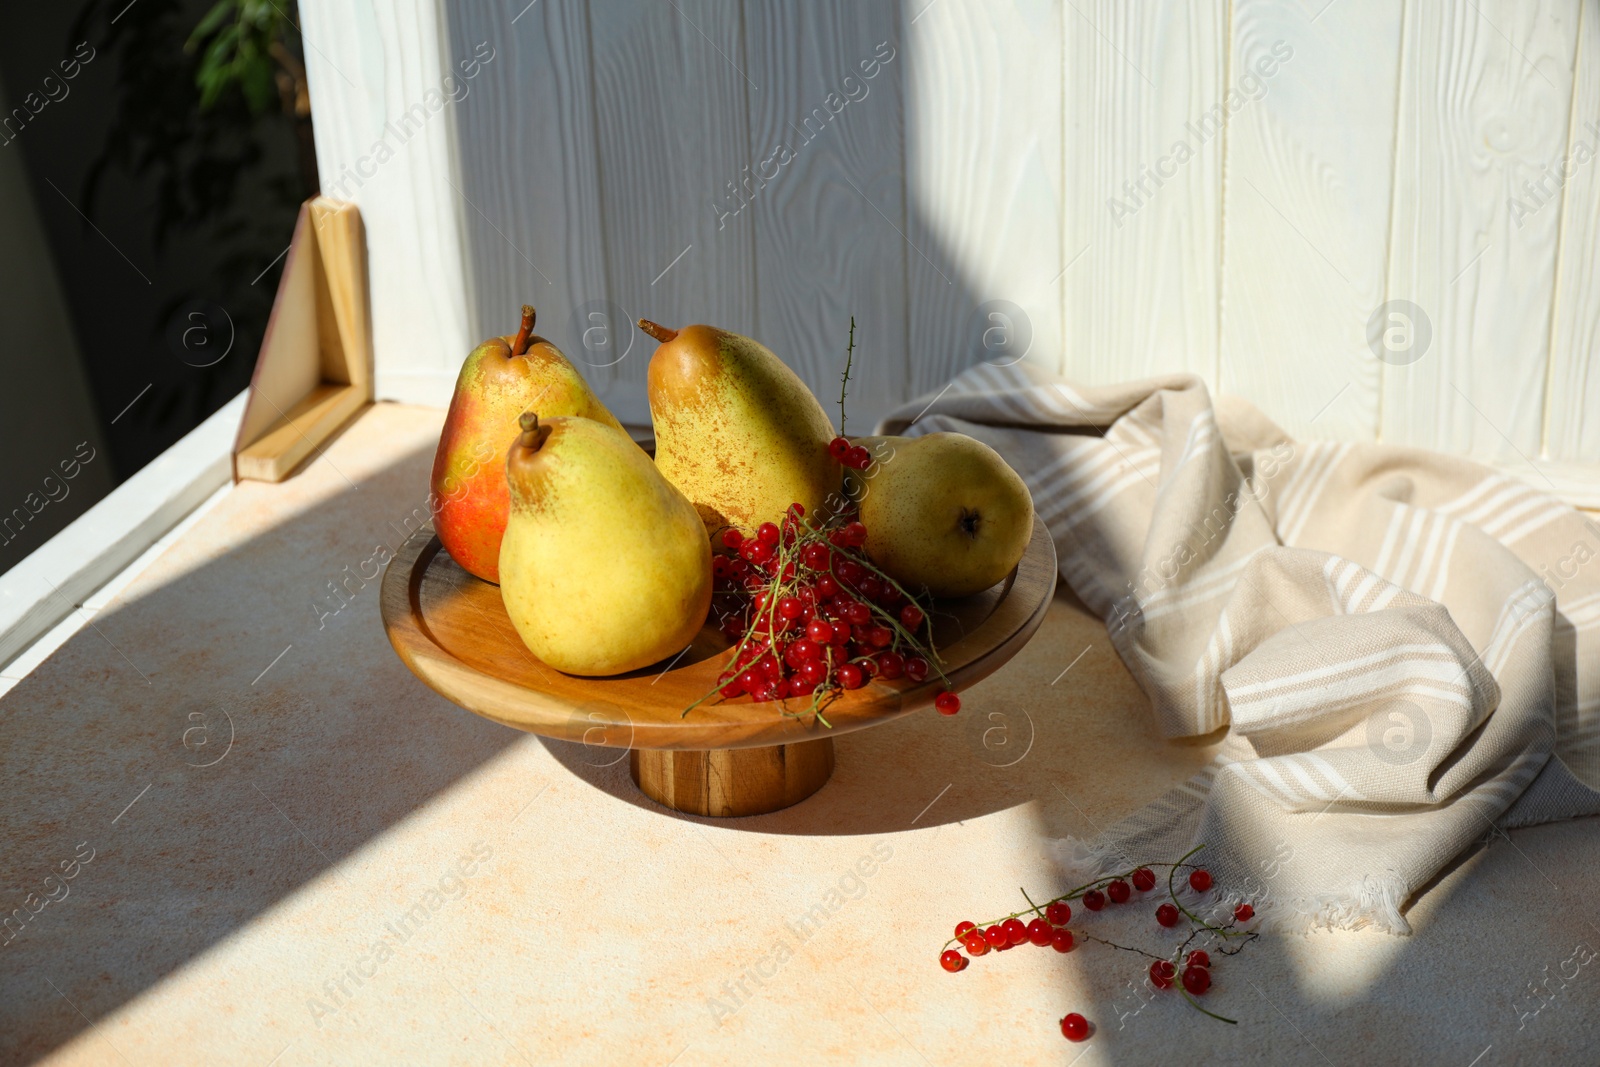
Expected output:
(605, 567)
(943, 512)
(736, 430)
(502, 378)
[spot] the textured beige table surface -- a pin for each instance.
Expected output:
(302, 855)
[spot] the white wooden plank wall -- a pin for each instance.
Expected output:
(1232, 188)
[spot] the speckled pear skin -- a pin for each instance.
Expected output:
(944, 512)
(738, 431)
(605, 567)
(469, 499)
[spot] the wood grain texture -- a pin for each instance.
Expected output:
(1572, 406)
(1142, 264)
(530, 188)
(673, 130)
(452, 631)
(829, 225)
(733, 781)
(1485, 94)
(371, 67)
(1309, 173)
(984, 185)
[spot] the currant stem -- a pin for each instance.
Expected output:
(849, 354)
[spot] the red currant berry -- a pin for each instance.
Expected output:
(769, 692)
(1200, 881)
(819, 631)
(996, 936)
(871, 587)
(1094, 900)
(1243, 913)
(1039, 932)
(1118, 891)
(731, 690)
(758, 552)
(750, 680)
(1167, 915)
(814, 671)
(799, 686)
(911, 616)
(855, 534)
(767, 533)
(1061, 940)
(975, 944)
(805, 649)
(947, 703)
(965, 927)
(1197, 958)
(850, 676)
(868, 665)
(790, 607)
(815, 556)
(880, 636)
(839, 448)
(1074, 1027)
(827, 587)
(952, 960)
(732, 538)
(859, 458)
(855, 613)
(916, 668)
(1016, 933)
(891, 665)
(1144, 879)
(1161, 972)
(1196, 980)
(849, 571)
(1059, 913)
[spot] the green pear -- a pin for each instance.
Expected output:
(943, 512)
(736, 429)
(604, 566)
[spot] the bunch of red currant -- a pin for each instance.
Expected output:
(1049, 928)
(811, 616)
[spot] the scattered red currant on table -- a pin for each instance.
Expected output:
(1045, 925)
(1074, 1027)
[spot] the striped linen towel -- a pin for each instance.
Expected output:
(1402, 645)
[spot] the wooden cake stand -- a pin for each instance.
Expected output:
(726, 757)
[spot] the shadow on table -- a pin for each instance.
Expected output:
(212, 744)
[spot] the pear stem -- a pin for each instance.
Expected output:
(659, 332)
(519, 343)
(533, 435)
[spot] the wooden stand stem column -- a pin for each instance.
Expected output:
(732, 781)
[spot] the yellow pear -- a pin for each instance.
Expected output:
(736, 429)
(943, 512)
(604, 567)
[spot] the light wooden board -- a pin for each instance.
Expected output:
(1141, 282)
(829, 227)
(1309, 173)
(369, 66)
(1572, 409)
(671, 119)
(984, 185)
(1485, 94)
(530, 180)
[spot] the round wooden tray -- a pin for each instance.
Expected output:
(732, 757)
